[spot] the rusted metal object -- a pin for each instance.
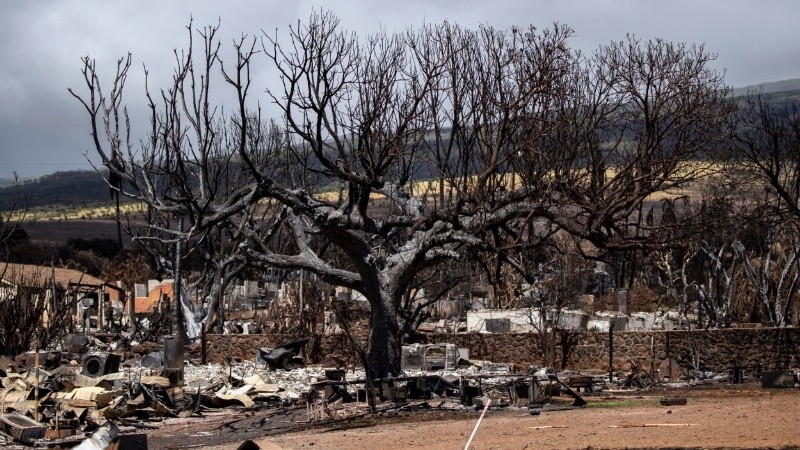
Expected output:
(429, 357)
(47, 359)
(578, 400)
(129, 442)
(672, 401)
(99, 364)
(777, 379)
(21, 428)
(173, 360)
(580, 382)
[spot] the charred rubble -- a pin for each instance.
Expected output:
(100, 391)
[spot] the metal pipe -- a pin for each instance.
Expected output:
(475, 430)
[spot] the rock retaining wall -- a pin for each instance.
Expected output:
(333, 350)
(715, 350)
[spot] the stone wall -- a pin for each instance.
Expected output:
(333, 350)
(716, 350)
(241, 346)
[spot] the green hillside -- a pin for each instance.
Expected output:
(70, 188)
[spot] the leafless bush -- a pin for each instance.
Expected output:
(298, 313)
(30, 317)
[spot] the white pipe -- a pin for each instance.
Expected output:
(488, 401)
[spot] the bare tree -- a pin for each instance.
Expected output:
(701, 273)
(431, 286)
(764, 153)
(774, 273)
(765, 138)
(513, 127)
(10, 219)
(222, 264)
(35, 312)
(718, 288)
(557, 285)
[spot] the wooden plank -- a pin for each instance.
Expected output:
(653, 425)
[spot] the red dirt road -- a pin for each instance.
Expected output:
(750, 418)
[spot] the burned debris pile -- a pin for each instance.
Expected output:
(99, 391)
(60, 399)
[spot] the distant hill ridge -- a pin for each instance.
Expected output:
(84, 187)
(72, 188)
(5, 182)
(770, 87)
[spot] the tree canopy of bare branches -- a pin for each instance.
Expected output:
(765, 140)
(396, 152)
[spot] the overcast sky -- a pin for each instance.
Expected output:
(43, 129)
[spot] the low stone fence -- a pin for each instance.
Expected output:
(715, 350)
(245, 346)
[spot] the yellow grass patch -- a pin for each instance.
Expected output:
(82, 212)
(419, 189)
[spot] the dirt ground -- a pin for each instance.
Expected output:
(719, 418)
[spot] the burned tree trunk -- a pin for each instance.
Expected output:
(383, 353)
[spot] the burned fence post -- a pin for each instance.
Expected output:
(203, 345)
(611, 352)
(36, 386)
(738, 378)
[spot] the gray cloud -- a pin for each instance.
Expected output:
(42, 129)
